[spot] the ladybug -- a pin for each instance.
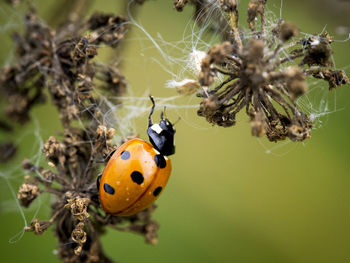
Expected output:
(138, 171)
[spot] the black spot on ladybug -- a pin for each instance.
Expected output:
(160, 160)
(157, 191)
(108, 189)
(137, 177)
(125, 155)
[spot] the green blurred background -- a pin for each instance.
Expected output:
(231, 197)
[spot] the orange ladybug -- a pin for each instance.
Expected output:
(138, 171)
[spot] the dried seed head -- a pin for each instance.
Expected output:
(27, 194)
(257, 80)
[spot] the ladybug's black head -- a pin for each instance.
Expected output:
(161, 135)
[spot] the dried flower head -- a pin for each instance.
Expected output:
(27, 193)
(255, 75)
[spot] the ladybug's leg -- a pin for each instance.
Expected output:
(99, 161)
(151, 112)
(106, 159)
(98, 181)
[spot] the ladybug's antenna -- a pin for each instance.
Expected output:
(151, 112)
(162, 114)
(177, 121)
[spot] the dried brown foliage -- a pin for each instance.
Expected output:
(61, 63)
(256, 76)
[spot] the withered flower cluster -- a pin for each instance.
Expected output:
(60, 63)
(264, 72)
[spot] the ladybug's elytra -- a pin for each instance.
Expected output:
(137, 172)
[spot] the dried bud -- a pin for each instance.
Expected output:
(38, 227)
(218, 53)
(78, 207)
(298, 133)
(48, 175)
(276, 132)
(151, 232)
(206, 76)
(318, 51)
(83, 51)
(114, 80)
(102, 132)
(259, 124)
(110, 133)
(296, 83)
(208, 106)
(84, 88)
(54, 151)
(78, 234)
(255, 8)
(27, 194)
(108, 29)
(18, 107)
(335, 78)
(287, 30)
(7, 151)
(254, 50)
(214, 113)
(27, 165)
(180, 4)
(228, 5)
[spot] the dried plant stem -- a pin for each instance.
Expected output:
(61, 61)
